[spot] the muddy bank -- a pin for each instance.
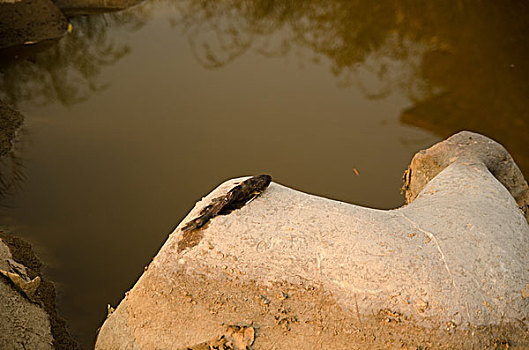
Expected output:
(52, 328)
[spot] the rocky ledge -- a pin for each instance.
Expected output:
(28, 317)
(291, 270)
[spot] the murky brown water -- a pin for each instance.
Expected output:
(136, 115)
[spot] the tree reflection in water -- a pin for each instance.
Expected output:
(69, 71)
(463, 64)
(12, 175)
(480, 76)
(352, 34)
(66, 71)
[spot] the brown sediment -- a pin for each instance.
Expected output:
(190, 239)
(45, 295)
(233, 338)
(303, 316)
(286, 319)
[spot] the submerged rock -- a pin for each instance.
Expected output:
(291, 270)
(27, 22)
(84, 7)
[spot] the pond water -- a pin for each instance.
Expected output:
(136, 115)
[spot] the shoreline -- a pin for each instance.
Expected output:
(45, 295)
(21, 252)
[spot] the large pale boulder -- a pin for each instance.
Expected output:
(291, 270)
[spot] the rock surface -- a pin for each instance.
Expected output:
(23, 324)
(26, 22)
(20, 271)
(291, 270)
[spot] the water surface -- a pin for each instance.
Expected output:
(136, 115)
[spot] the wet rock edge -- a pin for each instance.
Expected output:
(45, 295)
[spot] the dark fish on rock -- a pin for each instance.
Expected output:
(236, 198)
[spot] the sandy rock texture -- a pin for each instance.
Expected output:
(291, 270)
